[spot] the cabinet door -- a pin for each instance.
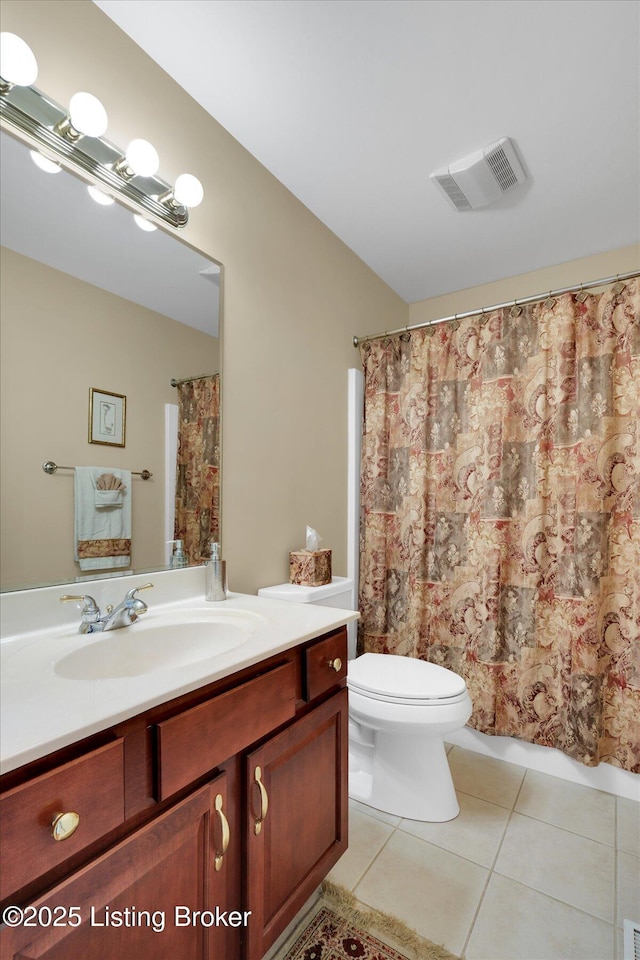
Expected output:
(139, 899)
(296, 827)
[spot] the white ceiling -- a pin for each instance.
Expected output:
(352, 103)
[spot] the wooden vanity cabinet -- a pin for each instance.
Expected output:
(235, 808)
(292, 844)
(126, 899)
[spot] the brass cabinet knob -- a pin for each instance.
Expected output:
(64, 825)
(335, 664)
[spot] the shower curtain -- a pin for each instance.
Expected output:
(197, 520)
(500, 525)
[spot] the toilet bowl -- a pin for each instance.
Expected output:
(400, 710)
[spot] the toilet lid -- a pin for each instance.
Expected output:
(384, 675)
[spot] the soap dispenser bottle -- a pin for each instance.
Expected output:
(178, 557)
(215, 572)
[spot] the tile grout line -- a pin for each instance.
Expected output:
(371, 863)
(432, 843)
(492, 867)
(562, 903)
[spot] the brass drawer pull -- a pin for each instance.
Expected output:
(335, 664)
(64, 825)
(264, 800)
(224, 825)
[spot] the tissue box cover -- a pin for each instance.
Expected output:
(310, 568)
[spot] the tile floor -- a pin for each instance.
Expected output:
(533, 868)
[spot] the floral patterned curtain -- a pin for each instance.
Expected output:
(198, 475)
(500, 528)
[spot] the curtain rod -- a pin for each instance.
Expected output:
(500, 306)
(205, 376)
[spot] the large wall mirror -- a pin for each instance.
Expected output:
(89, 302)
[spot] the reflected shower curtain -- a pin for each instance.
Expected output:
(500, 532)
(197, 520)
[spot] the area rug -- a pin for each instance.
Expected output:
(341, 929)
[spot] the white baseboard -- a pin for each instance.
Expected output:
(547, 760)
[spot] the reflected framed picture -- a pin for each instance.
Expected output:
(107, 417)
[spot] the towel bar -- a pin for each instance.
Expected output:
(50, 467)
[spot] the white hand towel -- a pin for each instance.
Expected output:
(109, 498)
(102, 534)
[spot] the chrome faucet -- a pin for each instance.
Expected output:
(123, 615)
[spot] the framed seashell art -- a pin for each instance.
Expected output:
(107, 417)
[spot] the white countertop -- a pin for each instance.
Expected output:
(41, 711)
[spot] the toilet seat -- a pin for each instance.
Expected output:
(395, 679)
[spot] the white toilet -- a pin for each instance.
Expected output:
(400, 710)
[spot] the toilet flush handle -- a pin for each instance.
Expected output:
(335, 664)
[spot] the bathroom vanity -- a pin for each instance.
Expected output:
(196, 827)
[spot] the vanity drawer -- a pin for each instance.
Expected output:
(325, 664)
(91, 786)
(194, 742)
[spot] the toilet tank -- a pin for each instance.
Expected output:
(338, 593)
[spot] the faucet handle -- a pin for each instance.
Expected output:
(89, 606)
(134, 590)
(135, 603)
(90, 610)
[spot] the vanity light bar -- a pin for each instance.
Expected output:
(90, 157)
(42, 123)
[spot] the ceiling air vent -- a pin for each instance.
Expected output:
(452, 190)
(482, 177)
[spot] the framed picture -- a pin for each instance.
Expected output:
(107, 417)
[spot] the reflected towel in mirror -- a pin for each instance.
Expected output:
(102, 518)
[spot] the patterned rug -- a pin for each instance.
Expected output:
(341, 929)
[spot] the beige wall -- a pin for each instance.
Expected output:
(59, 337)
(523, 285)
(293, 293)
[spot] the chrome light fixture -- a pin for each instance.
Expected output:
(18, 64)
(49, 166)
(100, 196)
(87, 117)
(76, 136)
(141, 159)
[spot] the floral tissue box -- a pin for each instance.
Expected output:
(310, 568)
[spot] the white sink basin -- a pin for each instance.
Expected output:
(149, 648)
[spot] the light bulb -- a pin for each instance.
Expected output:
(49, 166)
(100, 196)
(143, 223)
(87, 115)
(17, 63)
(188, 190)
(143, 158)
